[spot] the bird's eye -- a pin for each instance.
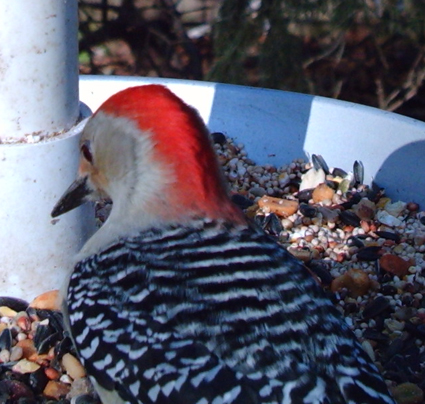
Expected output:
(85, 150)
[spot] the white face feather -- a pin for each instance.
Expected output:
(124, 154)
(124, 168)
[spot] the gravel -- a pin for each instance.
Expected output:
(365, 249)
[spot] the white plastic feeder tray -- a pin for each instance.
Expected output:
(278, 126)
(275, 126)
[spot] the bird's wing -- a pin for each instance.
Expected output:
(219, 315)
(134, 357)
(142, 363)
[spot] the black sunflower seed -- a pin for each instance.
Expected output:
(305, 195)
(355, 241)
(358, 171)
(6, 339)
(218, 137)
(388, 235)
(38, 380)
(308, 210)
(348, 217)
(339, 172)
(241, 201)
(13, 303)
(371, 253)
(320, 269)
(376, 307)
(273, 225)
(319, 162)
(374, 335)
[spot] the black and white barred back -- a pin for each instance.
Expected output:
(213, 314)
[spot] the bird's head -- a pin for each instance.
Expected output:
(151, 154)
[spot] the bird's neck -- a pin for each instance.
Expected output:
(119, 225)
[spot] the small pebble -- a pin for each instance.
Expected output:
(7, 312)
(28, 348)
(21, 336)
(56, 389)
(405, 313)
(323, 193)
(412, 207)
(395, 209)
(356, 281)
(4, 356)
(51, 373)
(20, 392)
(395, 265)
(287, 224)
(258, 191)
(67, 379)
(84, 399)
(312, 178)
(387, 219)
(365, 209)
(16, 353)
(369, 349)
(25, 366)
(81, 387)
(394, 325)
(408, 393)
(376, 307)
(281, 207)
(73, 366)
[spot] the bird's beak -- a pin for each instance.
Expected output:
(73, 197)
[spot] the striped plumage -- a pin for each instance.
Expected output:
(177, 299)
(213, 313)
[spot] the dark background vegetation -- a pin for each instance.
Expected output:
(366, 51)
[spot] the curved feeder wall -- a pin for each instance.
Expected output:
(277, 127)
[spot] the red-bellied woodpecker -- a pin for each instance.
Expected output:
(176, 298)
